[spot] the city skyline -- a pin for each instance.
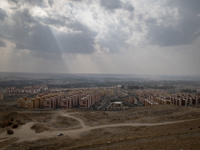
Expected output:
(160, 37)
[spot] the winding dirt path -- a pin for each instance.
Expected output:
(88, 128)
(82, 123)
(25, 133)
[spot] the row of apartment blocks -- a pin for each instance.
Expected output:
(147, 102)
(60, 100)
(185, 99)
(163, 99)
(150, 97)
(155, 101)
(29, 89)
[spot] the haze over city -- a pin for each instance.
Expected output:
(104, 36)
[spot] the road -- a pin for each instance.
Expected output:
(88, 128)
(82, 123)
(25, 133)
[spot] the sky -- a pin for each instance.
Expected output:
(157, 37)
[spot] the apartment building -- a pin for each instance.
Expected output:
(185, 99)
(1, 96)
(28, 89)
(30, 103)
(148, 97)
(60, 100)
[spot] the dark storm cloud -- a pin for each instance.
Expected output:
(27, 33)
(169, 36)
(191, 6)
(2, 44)
(3, 14)
(80, 42)
(185, 32)
(111, 4)
(128, 7)
(37, 33)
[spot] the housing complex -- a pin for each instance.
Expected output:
(76, 98)
(28, 89)
(155, 97)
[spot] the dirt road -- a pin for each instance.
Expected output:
(88, 128)
(25, 133)
(82, 123)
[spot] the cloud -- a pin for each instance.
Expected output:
(114, 41)
(129, 7)
(191, 6)
(2, 43)
(19, 3)
(77, 0)
(57, 20)
(3, 15)
(81, 40)
(40, 3)
(169, 36)
(29, 34)
(161, 23)
(14, 1)
(116, 4)
(50, 2)
(117, 32)
(111, 4)
(186, 30)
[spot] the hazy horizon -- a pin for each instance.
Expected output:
(131, 77)
(141, 37)
(103, 73)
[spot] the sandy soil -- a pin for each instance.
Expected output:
(141, 128)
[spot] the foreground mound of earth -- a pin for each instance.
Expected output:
(155, 127)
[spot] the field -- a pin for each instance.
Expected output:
(155, 127)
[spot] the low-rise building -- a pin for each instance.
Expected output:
(29, 89)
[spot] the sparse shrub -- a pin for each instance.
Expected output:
(10, 132)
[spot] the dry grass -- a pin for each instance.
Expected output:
(140, 114)
(184, 135)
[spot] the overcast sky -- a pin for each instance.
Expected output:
(100, 36)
